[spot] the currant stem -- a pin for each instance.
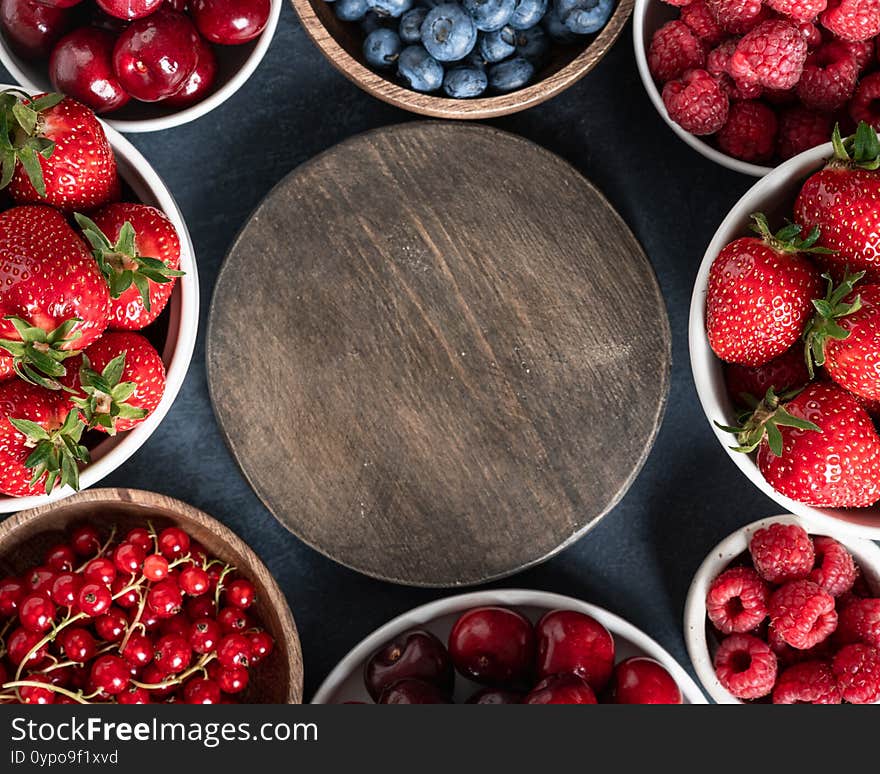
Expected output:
(199, 666)
(77, 697)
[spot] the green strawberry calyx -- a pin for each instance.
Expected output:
(861, 149)
(824, 326)
(763, 420)
(105, 395)
(121, 264)
(788, 239)
(37, 357)
(55, 452)
(21, 136)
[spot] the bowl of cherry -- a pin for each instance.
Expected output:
(780, 613)
(129, 597)
(509, 646)
(143, 65)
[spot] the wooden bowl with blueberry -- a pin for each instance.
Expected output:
(464, 59)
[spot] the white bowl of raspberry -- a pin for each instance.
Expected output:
(775, 613)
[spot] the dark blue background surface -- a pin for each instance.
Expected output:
(639, 561)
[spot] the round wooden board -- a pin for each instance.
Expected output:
(438, 354)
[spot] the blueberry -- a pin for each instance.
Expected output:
(474, 59)
(381, 48)
(584, 17)
(512, 74)
(372, 21)
(419, 69)
(489, 15)
(350, 10)
(392, 8)
(532, 44)
(555, 27)
(411, 25)
(498, 45)
(448, 33)
(465, 82)
(527, 13)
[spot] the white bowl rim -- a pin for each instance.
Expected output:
(704, 363)
(865, 552)
(513, 598)
(185, 115)
(188, 287)
(703, 148)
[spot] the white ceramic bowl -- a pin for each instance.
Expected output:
(345, 682)
(648, 17)
(701, 643)
(773, 195)
(183, 323)
(235, 64)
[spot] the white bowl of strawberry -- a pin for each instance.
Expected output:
(785, 337)
(508, 646)
(145, 65)
(752, 83)
(98, 300)
(776, 614)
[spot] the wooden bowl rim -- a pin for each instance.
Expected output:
(446, 107)
(146, 499)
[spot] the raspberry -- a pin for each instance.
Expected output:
(811, 682)
(781, 97)
(699, 18)
(853, 20)
(857, 668)
(738, 16)
(829, 78)
(674, 49)
(782, 552)
(772, 54)
(812, 34)
(835, 570)
(865, 104)
(787, 655)
(717, 63)
(745, 666)
(801, 129)
(737, 600)
(802, 614)
(696, 103)
(859, 621)
(862, 51)
(799, 10)
(678, 3)
(750, 131)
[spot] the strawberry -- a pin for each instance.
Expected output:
(843, 202)
(118, 383)
(138, 250)
(54, 151)
(818, 447)
(783, 373)
(760, 293)
(53, 299)
(39, 440)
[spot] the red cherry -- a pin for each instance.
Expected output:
(194, 581)
(141, 538)
(36, 613)
(31, 694)
(94, 599)
(60, 558)
(65, 587)
(172, 654)
(77, 644)
(641, 680)
(495, 696)
(198, 84)
(112, 625)
(12, 591)
(204, 635)
(201, 690)
(240, 593)
(40, 579)
(164, 598)
(493, 646)
(569, 641)
(32, 28)
(128, 9)
(20, 642)
(109, 674)
(100, 570)
(153, 58)
(134, 695)
(155, 568)
(413, 692)
(85, 540)
(230, 22)
(128, 557)
(413, 655)
(561, 689)
(233, 619)
(261, 646)
(234, 650)
(138, 650)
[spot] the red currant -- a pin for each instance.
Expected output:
(152, 675)
(65, 588)
(36, 613)
(194, 581)
(112, 625)
(240, 593)
(109, 674)
(40, 579)
(60, 558)
(124, 596)
(30, 694)
(12, 591)
(177, 624)
(261, 646)
(141, 538)
(233, 680)
(233, 619)
(128, 558)
(20, 642)
(234, 650)
(85, 541)
(77, 644)
(155, 568)
(200, 607)
(138, 650)
(100, 570)
(150, 621)
(214, 573)
(134, 694)
(165, 599)
(173, 542)
(200, 690)
(172, 654)
(198, 553)
(94, 599)
(204, 635)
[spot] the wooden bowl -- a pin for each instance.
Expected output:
(341, 43)
(25, 536)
